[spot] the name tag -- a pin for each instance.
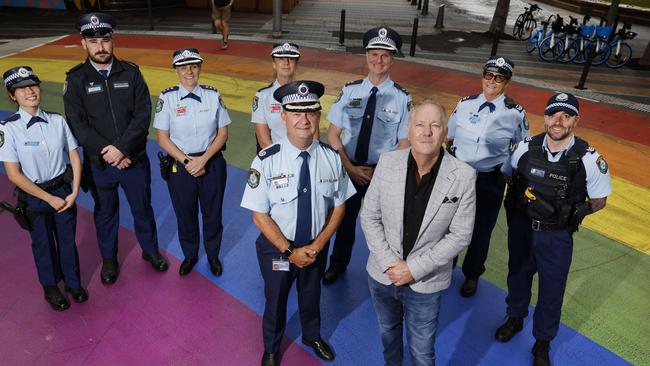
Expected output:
(276, 108)
(280, 182)
(180, 111)
(280, 265)
(121, 84)
(94, 89)
(388, 110)
(538, 172)
(203, 110)
(329, 180)
(355, 103)
(32, 143)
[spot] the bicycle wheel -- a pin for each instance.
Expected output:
(569, 53)
(624, 55)
(529, 25)
(581, 55)
(548, 53)
(531, 43)
(601, 56)
(517, 29)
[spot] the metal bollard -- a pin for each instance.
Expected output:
(342, 28)
(585, 70)
(602, 21)
(419, 4)
(414, 36)
(440, 19)
(495, 42)
(150, 11)
(425, 7)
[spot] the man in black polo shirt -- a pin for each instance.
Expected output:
(418, 214)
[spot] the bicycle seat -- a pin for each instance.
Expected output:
(630, 35)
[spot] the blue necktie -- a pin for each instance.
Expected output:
(34, 120)
(363, 143)
(487, 104)
(193, 96)
(103, 73)
(303, 222)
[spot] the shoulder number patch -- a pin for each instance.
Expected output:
(253, 178)
(602, 164)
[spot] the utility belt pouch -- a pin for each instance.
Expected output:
(166, 163)
(20, 214)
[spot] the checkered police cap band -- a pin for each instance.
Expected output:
(20, 73)
(502, 64)
(383, 43)
(187, 57)
(561, 106)
(88, 26)
(299, 98)
(286, 50)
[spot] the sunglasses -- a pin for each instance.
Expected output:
(497, 77)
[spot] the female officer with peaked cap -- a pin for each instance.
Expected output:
(33, 144)
(191, 121)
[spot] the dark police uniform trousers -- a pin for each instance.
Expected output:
(136, 183)
(186, 193)
(277, 285)
(53, 240)
(490, 187)
(549, 252)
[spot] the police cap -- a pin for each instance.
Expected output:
(300, 96)
(94, 25)
(285, 50)
(499, 65)
(186, 56)
(383, 38)
(20, 77)
(562, 102)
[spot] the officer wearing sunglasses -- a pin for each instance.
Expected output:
(481, 130)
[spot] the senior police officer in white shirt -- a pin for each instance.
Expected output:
(481, 130)
(369, 117)
(192, 123)
(297, 190)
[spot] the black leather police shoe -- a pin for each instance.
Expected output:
(55, 298)
(270, 359)
(79, 295)
(331, 275)
(158, 262)
(110, 271)
(469, 287)
(187, 266)
(215, 266)
(540, 352)
(321, 349)
(511, 327)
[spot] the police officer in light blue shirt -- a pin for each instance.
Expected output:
(557, 180)
(33, 147)
(191, 121)
(369, 117)
(297, 190)
(265, 109)
(481, 130)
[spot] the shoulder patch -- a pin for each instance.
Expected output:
(2, 138)
(526, 124)
(401, 88)
(356, 82)
(159, 105)
(253, 178)
(208, 87)
(269, 151)
(327, 146)
(173, 88)
(602, 164)
(75, 68)
(469, 97)
(255, 104)
(13, 117)
(264, 88)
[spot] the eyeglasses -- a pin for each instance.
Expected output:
(497, 77)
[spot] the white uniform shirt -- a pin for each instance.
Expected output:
(266, 110)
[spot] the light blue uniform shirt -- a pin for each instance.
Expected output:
(192, 125)
(598, 180)
(483, 139)
(41, 148)
(273, 184)
(390, 122)
(266, 110)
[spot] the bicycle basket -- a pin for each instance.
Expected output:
(587, 30)
(603, 32)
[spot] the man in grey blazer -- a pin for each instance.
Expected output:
(418, 214)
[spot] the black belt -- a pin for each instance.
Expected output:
(57, 182)
(537, 225)
(201, 153)
(364, 164)
(495, 170)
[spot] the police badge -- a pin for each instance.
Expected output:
(159, 105)
(255, 101)
(2, 138)
(602, 164)
(253, 178)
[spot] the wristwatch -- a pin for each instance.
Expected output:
(186, 161)
(287, 252)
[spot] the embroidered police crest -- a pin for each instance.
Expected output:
(223, 105)
(255, 101)
(2, 138)
(338, 98)
(253, 178)
(602, 165)
(159, 105)
(526, 125)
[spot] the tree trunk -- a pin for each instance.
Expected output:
(500, 15)
(645, 59)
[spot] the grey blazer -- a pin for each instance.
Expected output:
(446, 228)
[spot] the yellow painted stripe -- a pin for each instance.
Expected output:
(626, 217)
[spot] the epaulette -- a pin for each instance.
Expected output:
(264, 88)
(401, 88)
(50, 112)
(75, 68)
(173, 88)
(356, 82)
(11, 118)
(470, 97)
(591, 150)
(132, 64)
(208, 87)
(510, 103)
(271, 150)
(327, 146)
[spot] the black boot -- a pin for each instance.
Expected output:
(511, 327)
(540, 352)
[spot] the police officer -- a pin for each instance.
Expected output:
(557, 181)
(108, 107)
(33, 144)
(192, 124)
(266, 110)
(372, 116)
(297, 190)
(481, 130)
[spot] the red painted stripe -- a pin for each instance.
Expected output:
(616, 121)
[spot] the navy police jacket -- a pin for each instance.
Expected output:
(114, 111)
